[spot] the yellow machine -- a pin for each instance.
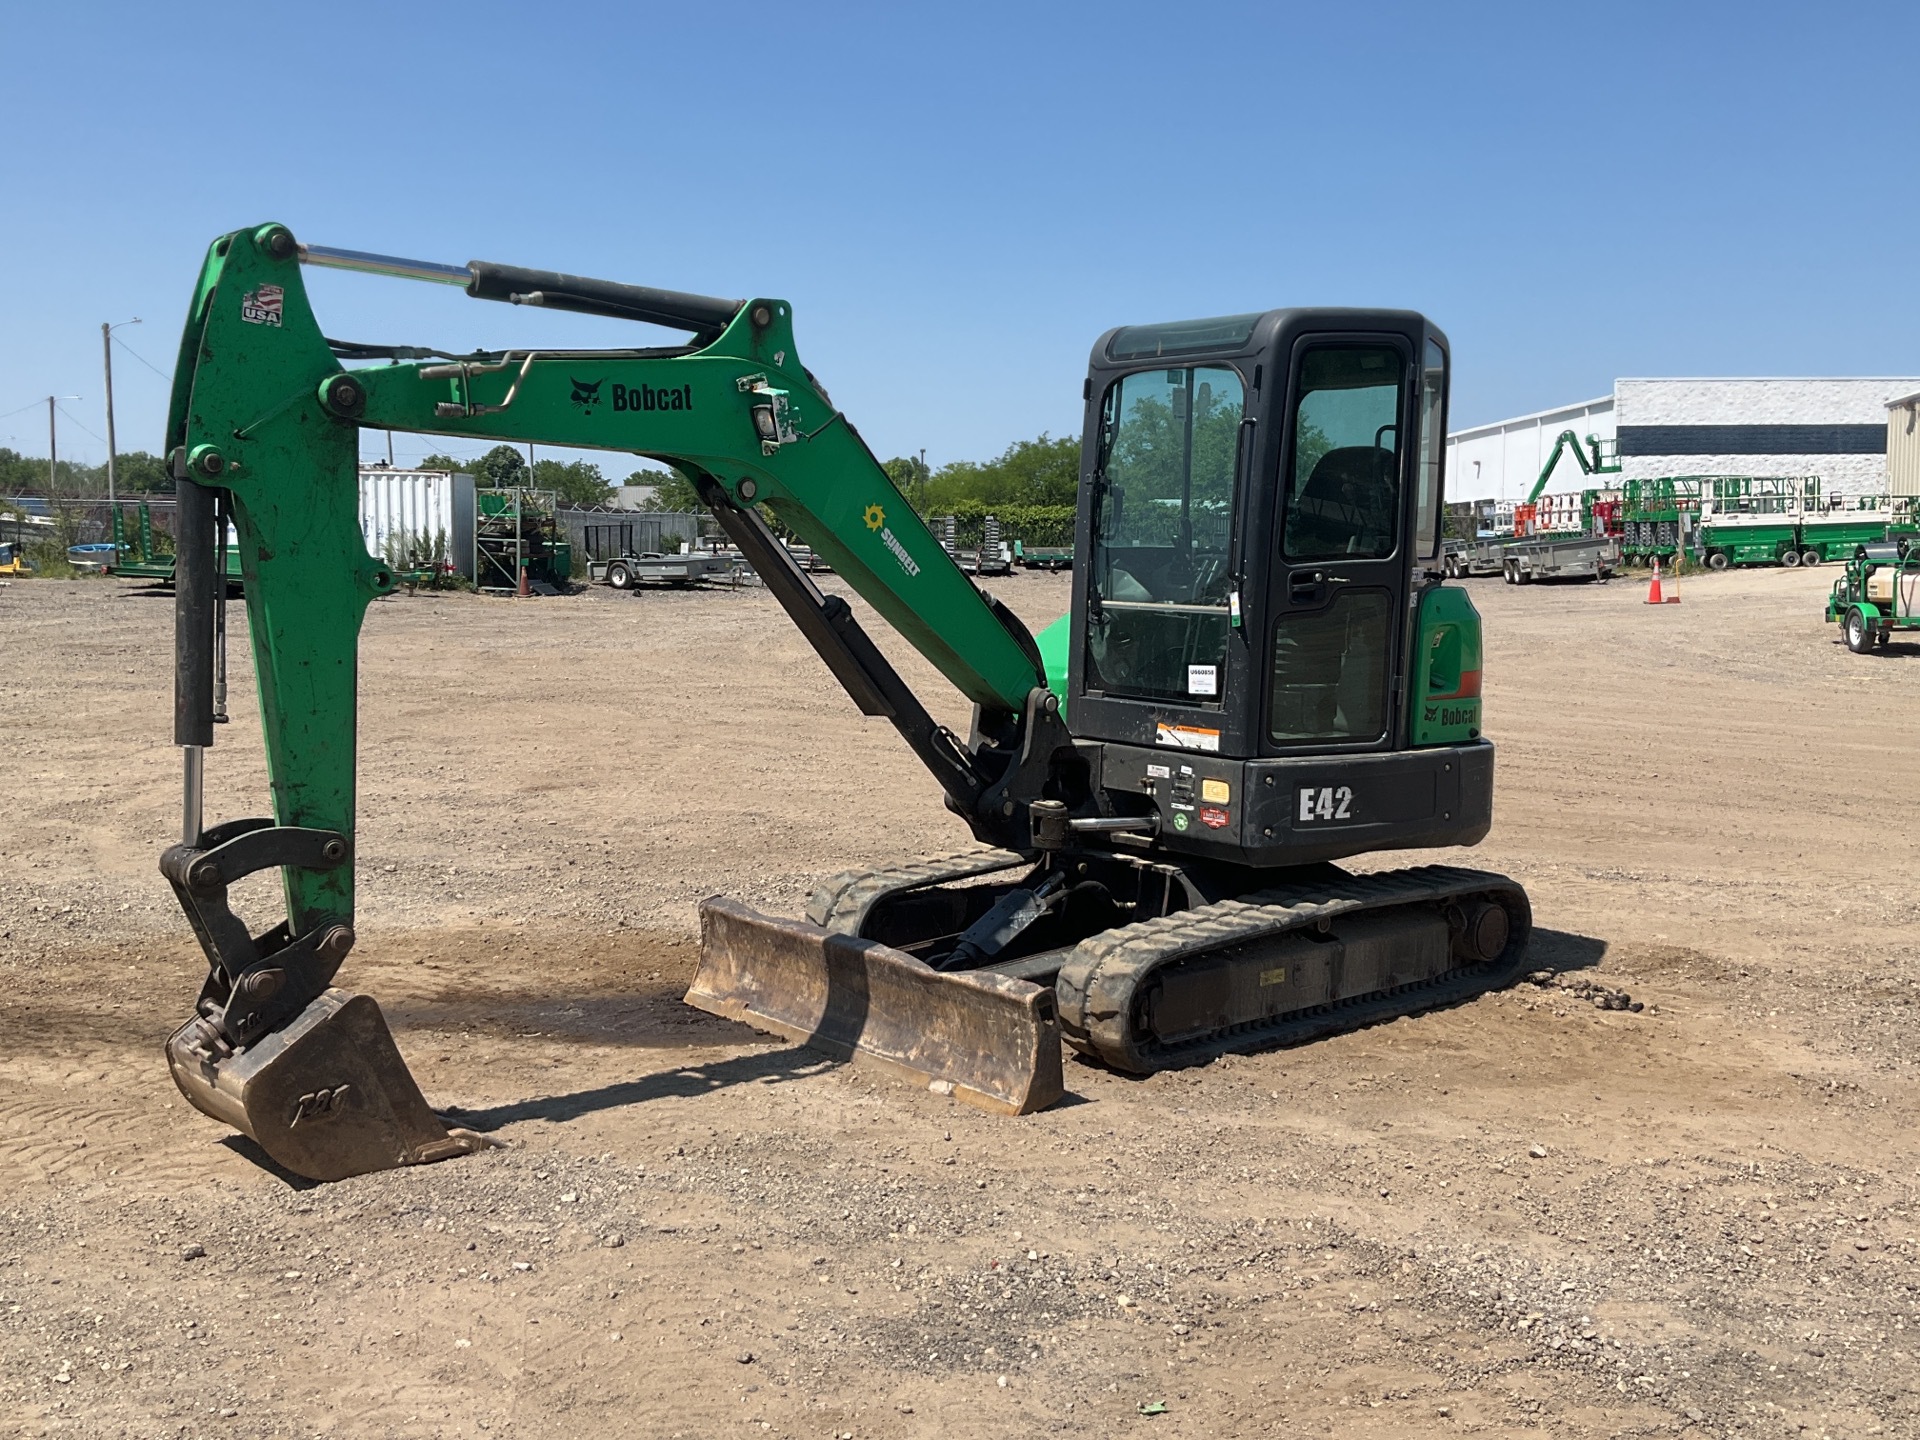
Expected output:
(13, 560)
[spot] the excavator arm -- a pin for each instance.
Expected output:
(263, 435)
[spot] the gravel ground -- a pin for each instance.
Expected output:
(1542, 1213)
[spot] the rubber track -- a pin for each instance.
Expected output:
(842, 904)
(1099, 986)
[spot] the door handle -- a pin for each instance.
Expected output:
(1305, 588)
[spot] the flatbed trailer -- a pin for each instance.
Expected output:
(1521, 561)
(1560, 557)
(625, 572)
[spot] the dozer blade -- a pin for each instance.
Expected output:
(327, 1097)
(994, 1040)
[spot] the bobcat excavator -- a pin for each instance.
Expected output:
(1260, 675)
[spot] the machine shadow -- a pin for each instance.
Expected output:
(1562, 950)
(759, 1068)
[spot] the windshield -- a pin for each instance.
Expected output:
(1162, 525)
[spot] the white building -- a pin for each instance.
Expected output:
(1833, 428)
(1501, 461)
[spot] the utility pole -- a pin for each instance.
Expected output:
(106, 351)
(53, 456)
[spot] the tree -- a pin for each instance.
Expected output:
(577, 482)
(909, 474)
(1028, 472)
(500, 468)
(672, 490)
(137, 472)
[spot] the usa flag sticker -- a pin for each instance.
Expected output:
(263, 306)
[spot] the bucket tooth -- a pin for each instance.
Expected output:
(993, 1039)
(327, 1096)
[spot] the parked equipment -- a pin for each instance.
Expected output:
(13, 560)
(1565, 536)
(1878, 593)
(1259, 676)
(1042, 557)
(612, 560)
(139, 556)
(1753, 521)
(1834, 527)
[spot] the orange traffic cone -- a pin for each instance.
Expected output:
(1654, 595)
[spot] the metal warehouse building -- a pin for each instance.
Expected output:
(1833, 428)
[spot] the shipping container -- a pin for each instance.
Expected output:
(416, 518)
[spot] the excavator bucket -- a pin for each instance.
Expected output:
(987, 1039)
(327, 1096)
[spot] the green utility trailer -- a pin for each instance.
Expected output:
(1042, 557)
(1877, 593)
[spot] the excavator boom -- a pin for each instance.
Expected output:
(263, 435)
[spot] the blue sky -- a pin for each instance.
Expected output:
(957, 200)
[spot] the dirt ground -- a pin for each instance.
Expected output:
(1523, 1216)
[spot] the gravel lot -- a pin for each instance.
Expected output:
(1530, 1215)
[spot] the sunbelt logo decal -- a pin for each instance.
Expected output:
(876, 519)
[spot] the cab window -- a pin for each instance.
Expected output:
(1343, 490)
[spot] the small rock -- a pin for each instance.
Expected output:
(940, 1087)
(745, 1357)
(1696, 1416)
(1003, 1382)
(230, 1412)
(1538, 1152)
(194, 1252)
(613, 1241)
(570, 1198)
(1444, 1411)
(522, 1265)
(463, 1344)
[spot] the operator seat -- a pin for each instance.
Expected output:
(1347, 505)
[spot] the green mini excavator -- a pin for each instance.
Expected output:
(1261, 674)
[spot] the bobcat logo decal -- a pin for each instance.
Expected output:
(586, 395)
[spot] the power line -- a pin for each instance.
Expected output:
(30, 405)
(77, 425)
(143, 359)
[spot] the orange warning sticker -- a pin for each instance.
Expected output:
(1186, 737)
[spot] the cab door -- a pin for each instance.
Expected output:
(1339, 566)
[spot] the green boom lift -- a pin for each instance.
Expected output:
(1259, 676)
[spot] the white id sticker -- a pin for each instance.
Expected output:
(1203, 680)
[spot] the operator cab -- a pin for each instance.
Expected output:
(1258, 492)
(1260, 509)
